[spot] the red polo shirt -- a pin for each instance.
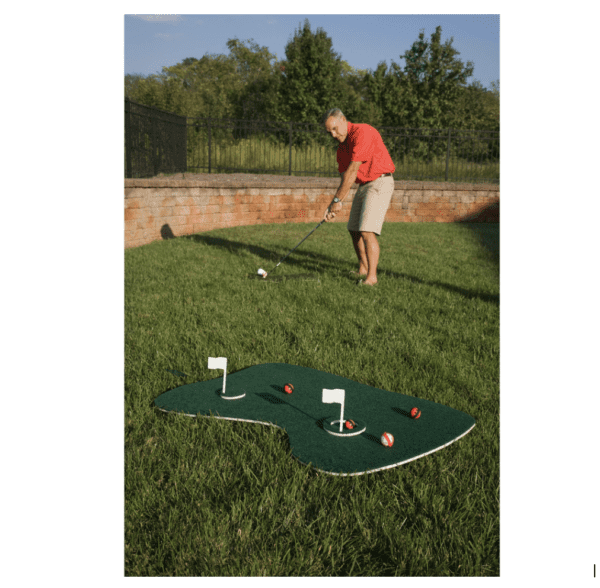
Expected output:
(364, 143)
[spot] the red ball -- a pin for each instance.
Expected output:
(415, 413)
(350, 424)
(288, 388)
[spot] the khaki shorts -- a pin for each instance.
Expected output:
(371, 202)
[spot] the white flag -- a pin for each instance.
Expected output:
(217, 363)
(331, 396)
(336, 396)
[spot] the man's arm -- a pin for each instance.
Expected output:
(348, 180)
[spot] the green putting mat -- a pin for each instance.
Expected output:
(311, 424)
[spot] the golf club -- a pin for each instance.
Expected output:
(263, 273)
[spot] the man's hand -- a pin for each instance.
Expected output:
(332, 210)
(348, 178)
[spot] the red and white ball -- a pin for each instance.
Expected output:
(387, 439)
(288, 388)
(415, 413)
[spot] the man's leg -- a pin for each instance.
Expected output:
(359, 247)
(375, 204)
(371, 247)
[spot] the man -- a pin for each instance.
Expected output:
(362, 158)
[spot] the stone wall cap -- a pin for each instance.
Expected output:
(241, 181)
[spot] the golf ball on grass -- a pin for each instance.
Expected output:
(262, 272)
(415, 413)
(288, 388)
(387, 439)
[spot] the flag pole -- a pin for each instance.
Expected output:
(336, 396)
(219, 363)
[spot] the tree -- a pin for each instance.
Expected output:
(159, 91)
(495, 111)
(261, 78)
(354, 99)
(189, 61)
(478, 108)
(311, 83)
(210, 85)
(132, 82)
(387, 96)
(435, 77)
(243, 84)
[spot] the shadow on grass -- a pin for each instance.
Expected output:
(488, 236)
(470, 294)
(487, 233)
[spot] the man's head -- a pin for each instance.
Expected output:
(336, 124)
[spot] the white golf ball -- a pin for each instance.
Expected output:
(387, 439)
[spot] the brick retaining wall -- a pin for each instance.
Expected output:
(160, 208)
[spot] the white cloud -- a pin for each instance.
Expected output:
(170, 18)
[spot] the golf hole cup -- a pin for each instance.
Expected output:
(262, 272)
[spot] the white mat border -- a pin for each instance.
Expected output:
(394, 465)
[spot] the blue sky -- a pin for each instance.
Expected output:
(154, 41)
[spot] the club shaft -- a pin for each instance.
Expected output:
(294, 249)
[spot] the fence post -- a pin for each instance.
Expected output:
(184, 139)
(448, 155)
(128, 141)
(290, 166)
(153, 144)
(209, 139)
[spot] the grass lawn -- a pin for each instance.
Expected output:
(207, 497)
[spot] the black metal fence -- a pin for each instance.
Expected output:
(444, 154)
(262, 147)
(289, 148)
(155, 141)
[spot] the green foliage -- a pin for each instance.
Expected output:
(211, 85)
(387, 96)
(435, 76)
(264, 155)
(132, 82)
(250, 83)
(354, 100)
(261, 77)
(478, 108)
(312, 74)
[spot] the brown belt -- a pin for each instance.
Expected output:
(381, 176)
